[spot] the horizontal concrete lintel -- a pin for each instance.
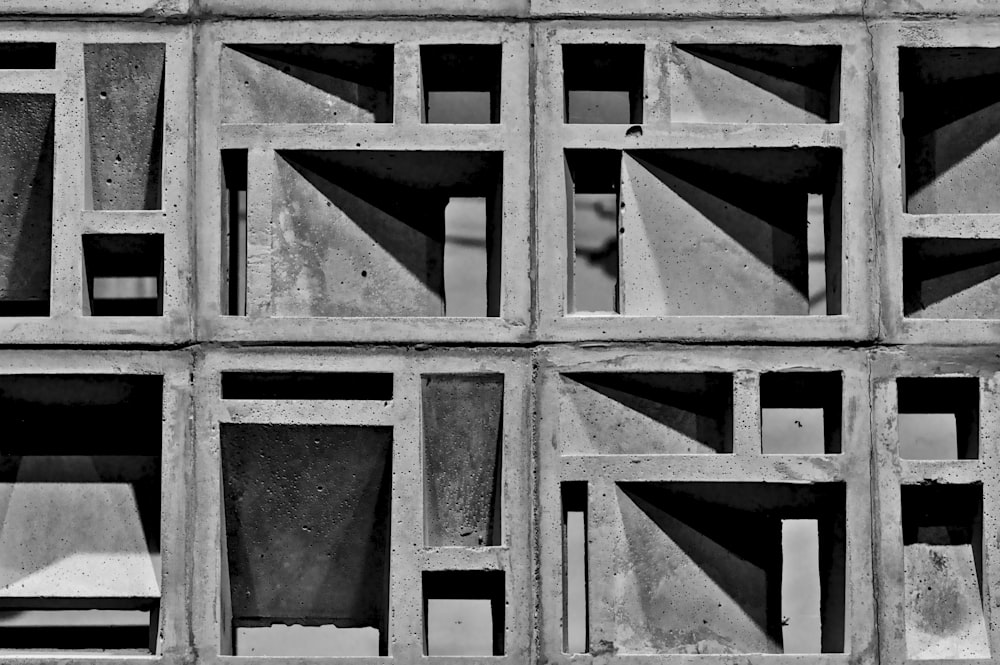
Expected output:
(359, 136)
(951, 226)
(313, 412)
(700, 135)
(950, 472)
(464, 558)
(720, 468)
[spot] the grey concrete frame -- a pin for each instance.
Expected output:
(891, 471)
(406, 132)
(409, 556)
(70, 216)
(553, 136)
(745, 463)
(176, 509)
(897, 224)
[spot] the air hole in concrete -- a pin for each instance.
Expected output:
(951, 278)
(950, 113)
(234, 232)
(943, 559)
(603, 83)
(938, 417)
(462, 418)
(363, 233)
(306, 537)
(464, 613)
(307, 385)
(593, 178)
(307, 83)
(27, 55)
(124, 274)
(801, 412)
(80, 533)
(125, 96)
(574, 522)
(648, 413)
(461, 83)
(755, 83)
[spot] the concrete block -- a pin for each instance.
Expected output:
(374, 9)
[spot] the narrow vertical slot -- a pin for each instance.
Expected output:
(816, 253)
(465, 257)
(801, 615)
(234, 231)
(576, 637)
(593, 185)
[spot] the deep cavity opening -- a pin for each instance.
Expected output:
(464, 613)
(603, 83)
(755, 568)
(369, 234)
(800, 412)
(300, 579)
(950, 118)
(943, 562)
(461, 83)
(950, 278)
(307, 83)
(576, 638)
(124, 97)
(462, 418)
(593, 179)
(124, 274)
(63, 466)
(27, 55)
(649, 413)
(755, 83)
(307, 385)
(938, 417)
(234, 232)
(27, 131)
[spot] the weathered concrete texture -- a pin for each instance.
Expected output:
(307, 83)
(125, 124)
(751, 83)
(951, 278)
(362, 233)
(722, 232)
(26, 142)
(463, 438)
(307, 523)
(615, 413)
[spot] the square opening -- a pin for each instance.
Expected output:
(950, 115)
(951, 278)
(298, 577)
(306, 83)
(27, 131)
(593, 180)
(938, 418)
(63, 587)
(234, 232)
(464, 613)
(461, 83)
(740, 568)
(603, 83)
(27, 55)
(124, 274)
(641, 413)
(943, 560)
(371, 233)
(576, 638)
(800, 413)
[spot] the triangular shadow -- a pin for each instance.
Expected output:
(965, 262)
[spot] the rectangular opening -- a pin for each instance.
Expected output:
(80, 450)
(124, 97)
(593, 178)
(464, 613)
(943, 561)
(462, 416)
(27, 55)
(800, 412)
(576, 638)
(461, 83)
(938, 417)
(603, 83)
(234, 232)
(307, 385)
(290, 563)
(801, 609)
(124, 274)
(371, 234)
(951, 278)
(27, 131)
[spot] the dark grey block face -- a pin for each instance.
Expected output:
(125, 124)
